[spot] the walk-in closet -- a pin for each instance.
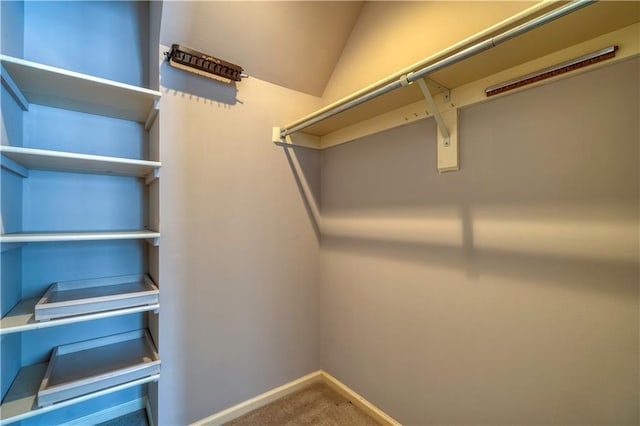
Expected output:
(307, 212)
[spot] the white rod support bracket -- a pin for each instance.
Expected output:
(448, 159)
(301, 139)
(434, 110)
(446, 92)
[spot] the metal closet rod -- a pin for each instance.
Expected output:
(449, 60)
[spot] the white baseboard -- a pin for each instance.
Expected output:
(261, 400)
(319, 376)
(110, 413)
(357, 400)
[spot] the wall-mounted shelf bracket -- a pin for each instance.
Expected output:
(155, 174)
(154, 241)
(435, 111)
(297, 139)
(13, 89)
(447, 132)
(10, 246)
(151, 116)
(12, 166)
(446, 92)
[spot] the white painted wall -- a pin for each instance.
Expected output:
(515, 298)
(505, 293)
(294, 44)
(238, 255)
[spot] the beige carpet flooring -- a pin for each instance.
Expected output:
(314, 405)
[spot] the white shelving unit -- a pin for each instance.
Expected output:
(33, 83)
(20, 402)
(42, 159)
(40, 84)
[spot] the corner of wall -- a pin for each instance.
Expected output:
(12, 28)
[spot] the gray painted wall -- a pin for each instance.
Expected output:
(238, 255)
(512, 295)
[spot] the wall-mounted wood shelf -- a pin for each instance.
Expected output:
(42, 159)
(59, 88)
(588, 29)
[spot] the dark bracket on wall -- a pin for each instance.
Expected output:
(203, 64)
(565, 67)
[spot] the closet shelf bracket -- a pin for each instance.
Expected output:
(13, 89)
(155, 174)
(447, 129)
(446, 92)
(151, 116)
(10, 246)
(12, 166)
(154, 241)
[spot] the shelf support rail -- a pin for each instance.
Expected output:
(445, 62)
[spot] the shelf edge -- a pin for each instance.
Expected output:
(77, 319)
(73, 401)
(155, 94)
(34, 237)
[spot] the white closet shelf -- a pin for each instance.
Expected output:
(41, 159)
(83, 297)
(81, 368)
(20, 402)
(583, 31)
(21, 317)
(56, 87)
(70, 302)
(26, 237)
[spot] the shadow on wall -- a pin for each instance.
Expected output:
(198, 86)
(529, 200)
(308, 184)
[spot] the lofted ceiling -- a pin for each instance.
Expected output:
(292, 44)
